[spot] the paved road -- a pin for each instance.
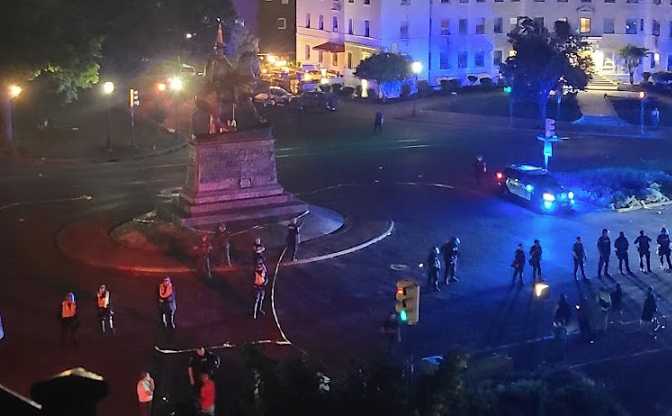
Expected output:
(333, 309)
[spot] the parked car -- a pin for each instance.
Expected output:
(275, 96)
(535, 187)
(316, 101)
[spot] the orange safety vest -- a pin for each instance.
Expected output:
(103, 299)
(259, 278)
(165, 291)
(68, 309)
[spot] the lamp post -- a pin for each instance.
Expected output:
(13, 91)
(416, 68)
(108, 90)
(642, 97)
(175, 85)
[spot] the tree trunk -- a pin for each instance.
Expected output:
(6, 122)
(632, 77)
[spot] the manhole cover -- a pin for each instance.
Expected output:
(399, 267)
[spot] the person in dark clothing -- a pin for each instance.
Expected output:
(203, 253)
(201, 362)
(223, 245)
(258, 250)
(663, 241)
(583, 319)
(642, 242)
(433, 268)
(604, 248)
(480, 169)
(378, 122)
(535, 261)
(518, 265)
(563, 312)
(293, 230)
(450, 252)
(616, 297)
(650, 307)
(621, 245)
(579, 256)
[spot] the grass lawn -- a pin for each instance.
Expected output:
(497, 103)
(628, 109)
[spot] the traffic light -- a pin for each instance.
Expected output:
(407, 295)
(550, 127)
(133, 98)
(507, 89)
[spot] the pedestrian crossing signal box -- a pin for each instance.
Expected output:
(407, 296)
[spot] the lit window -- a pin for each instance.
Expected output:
(584, 24)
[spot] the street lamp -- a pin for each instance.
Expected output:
(416, 68)
(14, 91)
(108, 90)
(642, 97)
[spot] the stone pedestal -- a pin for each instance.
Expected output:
(231, 178)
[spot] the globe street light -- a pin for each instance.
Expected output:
(108, 90)
(14, 91)
(416, 68)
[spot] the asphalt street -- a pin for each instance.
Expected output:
(416, 174)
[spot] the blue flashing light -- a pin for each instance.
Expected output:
(508, 89)
(528, 168)
(403, 317)
(548, 197)
(529, 188)
(570, 195)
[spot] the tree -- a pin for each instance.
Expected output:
(545, 62)
(632, 55)
(384, 67)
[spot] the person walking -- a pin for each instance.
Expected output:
(69, 319)
(621, 245)
(145, 390)
(258, 250)
(203, 253)
(480, 170)
(433, 269)
(604, 249)
(201, 362)
(223, 245)
(167, 303)
(378, 122)
(643, 248)
(535, 261)
(616, 297)
(579, 256)
(563, 312)
(206, 396)
(293, 239)
(260, 283)
(663, 241)
(105, 312)
(450, 252)
(649, 309)
(518, 265)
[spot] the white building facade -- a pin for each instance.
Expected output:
(458, 38)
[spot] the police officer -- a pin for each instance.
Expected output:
(201, 362)
(69, 319)
(104, 310)
(649, 309)
(579, 256)
(167, 303)
(378, 122)
(260, 282)
(480, 169)
(258, 250)
(518, 265)
(535, 261)
(203, 251)
(621, 245)
(433, 268)
(450, 252)
(223, 245)
(604, 248)
(663, 241)
(563, 312)
(293, 230)
(642, 242)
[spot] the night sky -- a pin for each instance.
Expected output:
(247, 9)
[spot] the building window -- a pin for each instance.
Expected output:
(405, 2)
(610, 1)
(306, 53)
(498, 26)
(350, 27)
(308, 20)
(320, 56)
(281, 23)
(608, 26)
(334, 59)
(632, 1)
(403, 30)
(497, 58)
(499, 1)
(479, 59)
(367, 1)
(464, 1)
(641, 25)
(462, 26)
(585, 1)
(669, 62)
(539, 21)
(670, 29)
(631, 26)
(334, 24)
(320, 23)
(562, 1)
(462, 60)
(445, 26)
(444, 60)
(655, 28)
(445, 1)
(480, 26)
(349, 60)
(367, 28)
(584, 24)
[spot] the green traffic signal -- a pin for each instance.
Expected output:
(402, 316)
(507, 89)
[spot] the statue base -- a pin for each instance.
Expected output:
(233, 178)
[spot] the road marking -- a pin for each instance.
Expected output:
(275, 314)
(48, 201)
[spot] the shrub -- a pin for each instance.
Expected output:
(472, 79)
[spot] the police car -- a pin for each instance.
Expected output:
(535, 186)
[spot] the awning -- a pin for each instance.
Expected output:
(331, 47)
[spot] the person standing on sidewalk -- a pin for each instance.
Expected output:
(450, 252)
(69, 319)
(203, 253)
(663, 241)
(579, 256)
(604, 248)
(535, 261)
(206, 396)
(621, 245)
(260, 282)
(167, 303)
(378, 122)
(258, 250)
(643, 248)
(223, 245)
(433, 268)
(293, 238)
(104, 310)
(518, 265)
(649, 309)
(480, 170)
(145, 390)
(617, 302)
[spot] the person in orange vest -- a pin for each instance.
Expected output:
(167, 303)
(145, 390)
(69, 319)
(104, 310)
(260, 282)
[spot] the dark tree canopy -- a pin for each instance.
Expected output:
(384, 67)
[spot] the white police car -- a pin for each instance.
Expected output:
(535, 186)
